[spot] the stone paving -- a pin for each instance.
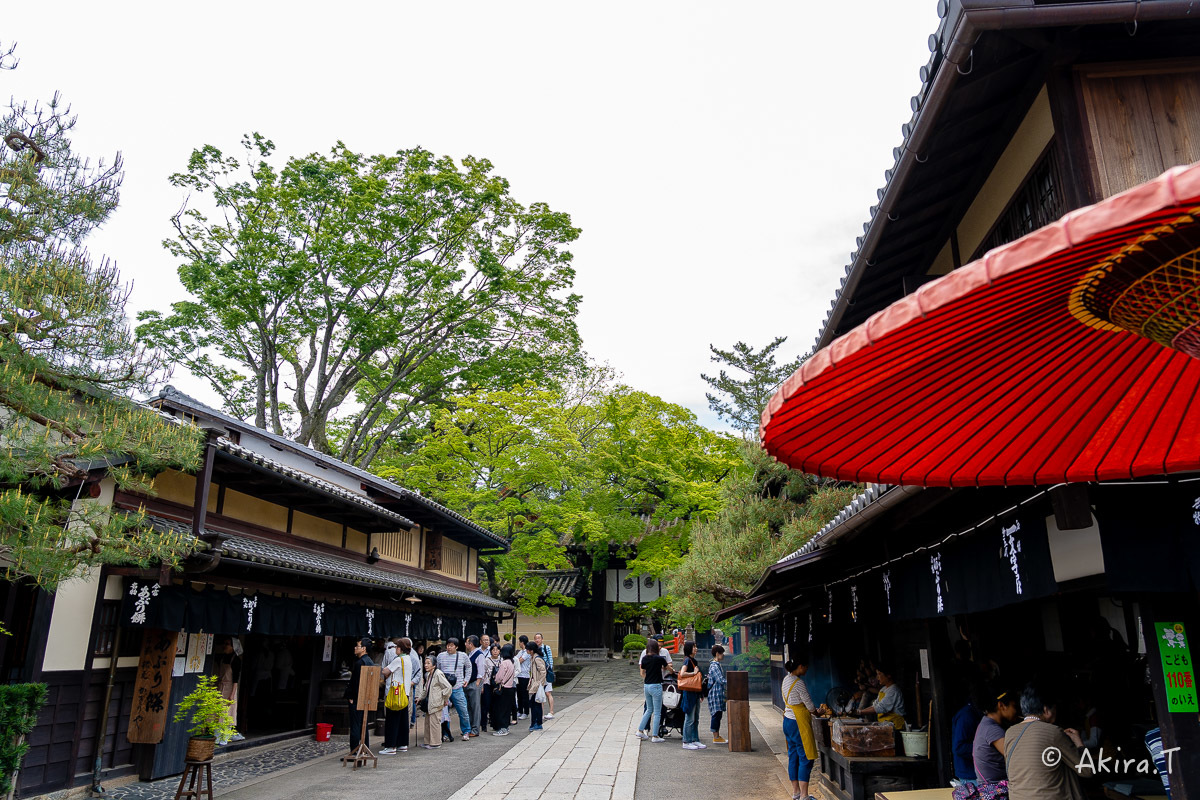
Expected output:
(237, 769)
(614, 675)
(586, 754)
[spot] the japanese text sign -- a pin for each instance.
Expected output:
(1178, 677)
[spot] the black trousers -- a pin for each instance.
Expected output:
(535, 712)
(522, 697)
(502, 708)
(356, 727)
(395, 728)
(485, 706)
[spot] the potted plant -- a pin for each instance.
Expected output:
(210, 722)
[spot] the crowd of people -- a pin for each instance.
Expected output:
(485, 684)
(658, 674)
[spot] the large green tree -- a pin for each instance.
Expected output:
(339, 298)
(743, 394)
(68, 364)
(588, 464)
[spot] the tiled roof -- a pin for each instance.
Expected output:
(173, 395)
(564, 581)
(239, 548)
(245, 454)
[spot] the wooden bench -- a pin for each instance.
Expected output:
(590, 654)
(917, 794)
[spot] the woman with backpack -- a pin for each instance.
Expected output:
(504, 683)
(691, 682)
(487, 668)
(716, 693)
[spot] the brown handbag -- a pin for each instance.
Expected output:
(690, 681)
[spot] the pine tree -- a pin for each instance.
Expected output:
(69, 367)
(741, 401)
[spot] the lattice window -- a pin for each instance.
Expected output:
(454, 558)
(1038, 202)
(397, 546)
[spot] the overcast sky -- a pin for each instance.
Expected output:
(720, 158)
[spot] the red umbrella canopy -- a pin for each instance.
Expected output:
(1070, 355)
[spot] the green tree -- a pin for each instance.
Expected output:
(740, 401)
(768, 512)
(589, 464)
(374, 285)
(68, 363)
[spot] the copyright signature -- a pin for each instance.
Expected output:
(1051, 756)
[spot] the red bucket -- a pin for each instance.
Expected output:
(324, 730)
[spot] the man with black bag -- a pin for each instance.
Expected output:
(457, 669)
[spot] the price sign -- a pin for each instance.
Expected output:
(1178, 675)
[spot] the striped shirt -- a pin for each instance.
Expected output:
(455, 665)
(795, 692)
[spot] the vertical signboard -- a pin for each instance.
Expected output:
(1178, 677)
(152, 689)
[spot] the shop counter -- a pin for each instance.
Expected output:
(866, 777)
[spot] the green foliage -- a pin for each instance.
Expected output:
(374, 286)
(634, 639)
(740, 401)
(589, 464)
(769, 512)
(207, 711)
(19, 706)
(756, 659)
(68, 365)
(627, 612)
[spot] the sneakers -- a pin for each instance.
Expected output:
(720, 740)
(535, 727)
(237, 737)
(657, 739)
(699, 746)
(431, 746)
(388, 751)
(522, 716)
(501, 732)
(549, 716)
(690, 746)
(402, 749)
(447, 738)
(641, 735)
(466, 737)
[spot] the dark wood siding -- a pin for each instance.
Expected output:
(47, 767)
(1142, 120)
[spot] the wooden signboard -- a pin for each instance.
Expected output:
(152, 689)
(368, 689)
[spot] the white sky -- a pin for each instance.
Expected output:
(719, 157)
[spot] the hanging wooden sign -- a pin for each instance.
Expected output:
(152, 689)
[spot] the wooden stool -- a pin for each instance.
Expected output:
(200, 772)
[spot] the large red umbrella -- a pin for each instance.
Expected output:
(1070, 355)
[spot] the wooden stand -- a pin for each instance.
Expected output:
(200, 785)
(738, 703)
(368, 700)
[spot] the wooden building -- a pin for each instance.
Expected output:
(303, 555)
(1028, 111)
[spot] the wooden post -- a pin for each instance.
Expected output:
(738, 702)
(368, 700)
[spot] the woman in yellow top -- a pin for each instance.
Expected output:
(889, 705)
(797, 727)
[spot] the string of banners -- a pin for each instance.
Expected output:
(148, 604)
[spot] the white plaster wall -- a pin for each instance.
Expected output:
(74, 603)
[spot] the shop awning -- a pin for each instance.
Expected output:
(1070, 355)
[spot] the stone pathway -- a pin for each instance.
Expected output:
(239, 768)
(586, 754)
(614, 675)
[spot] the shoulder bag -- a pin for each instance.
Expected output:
(549, 669)
(690, 680)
